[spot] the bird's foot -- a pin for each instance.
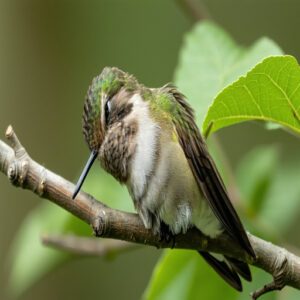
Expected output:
(166, 234)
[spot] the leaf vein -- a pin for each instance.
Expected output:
(253, 99)
(283, 92)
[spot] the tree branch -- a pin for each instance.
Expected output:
(86, 245)
(22, 171)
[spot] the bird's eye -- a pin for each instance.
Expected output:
(107, 109)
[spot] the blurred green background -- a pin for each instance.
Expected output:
(49, 52)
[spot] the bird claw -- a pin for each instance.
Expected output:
(166, 234)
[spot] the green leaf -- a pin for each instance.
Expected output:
(269, 187)
(254, 175)
(282, 205)
(27, 247)
(269, 92)
(210, 60)
(50, 219)
(289, 293)
(182, 274)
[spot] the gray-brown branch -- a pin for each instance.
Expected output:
(22, 171)
(87, 246)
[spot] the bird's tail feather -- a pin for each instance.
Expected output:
(229, 269)
(240, 267)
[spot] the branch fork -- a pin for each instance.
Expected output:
(22, 171)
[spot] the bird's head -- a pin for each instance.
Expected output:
(106, 103)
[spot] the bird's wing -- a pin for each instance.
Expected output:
(204, 169)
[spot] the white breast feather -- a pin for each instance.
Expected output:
(178, 214)
(146, 145)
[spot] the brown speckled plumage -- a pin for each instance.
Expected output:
(117, 150)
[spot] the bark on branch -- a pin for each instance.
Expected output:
(24, 172)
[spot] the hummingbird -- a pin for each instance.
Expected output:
(147, 138)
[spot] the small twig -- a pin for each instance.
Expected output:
(270, 287)
(106, 222)
(87, 245)
(194, 9)
(207, 131)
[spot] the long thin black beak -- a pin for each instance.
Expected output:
(84, 173)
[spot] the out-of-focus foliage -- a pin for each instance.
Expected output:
(31, 260)
(105, 188)
(281, 206)
(268, 187)
(269, 92)
(255, 175)
(183, 274)
(210, 60)
(50, 219)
